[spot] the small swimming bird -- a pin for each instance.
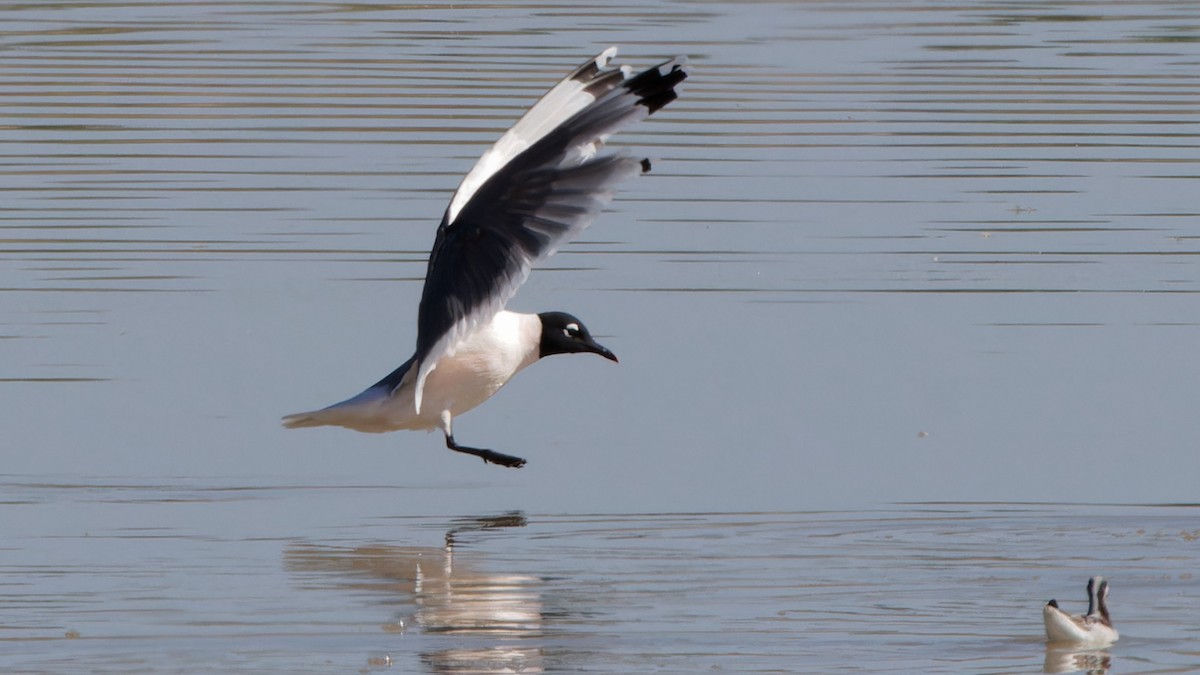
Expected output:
(533, 191)
(1093, 629)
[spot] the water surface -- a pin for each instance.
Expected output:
(198, 576)
(906, 278)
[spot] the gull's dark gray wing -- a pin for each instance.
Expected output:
(540, 199)
(573, 93)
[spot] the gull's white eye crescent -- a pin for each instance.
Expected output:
(571, 330)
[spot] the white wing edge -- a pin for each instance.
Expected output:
(557, 105)
(446, 346)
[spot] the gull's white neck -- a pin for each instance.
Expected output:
(510, 341)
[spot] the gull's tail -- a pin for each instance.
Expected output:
(312, 418)
(365, 412)
(360, 412)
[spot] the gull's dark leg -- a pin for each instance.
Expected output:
(486, 455)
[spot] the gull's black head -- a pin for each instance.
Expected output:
(564, 334)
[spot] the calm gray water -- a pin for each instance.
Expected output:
(907, 316)
(194, 576)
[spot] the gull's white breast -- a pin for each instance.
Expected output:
(480, 365)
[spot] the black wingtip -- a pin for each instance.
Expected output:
(646, 165)
(1053, 603)
(656, 86)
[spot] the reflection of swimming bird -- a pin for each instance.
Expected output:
(1066, 659)
(1093, 629)
(536, 189)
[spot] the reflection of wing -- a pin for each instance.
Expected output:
(535, 190)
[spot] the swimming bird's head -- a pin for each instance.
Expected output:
(1099, 586)
(564, 334)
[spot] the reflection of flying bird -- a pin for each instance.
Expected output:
(1093, 629)
(498, 617)
(536, 189)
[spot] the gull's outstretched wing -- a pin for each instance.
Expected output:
(536, 189)
(576, 91)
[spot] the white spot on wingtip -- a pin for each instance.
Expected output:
(605, 56)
